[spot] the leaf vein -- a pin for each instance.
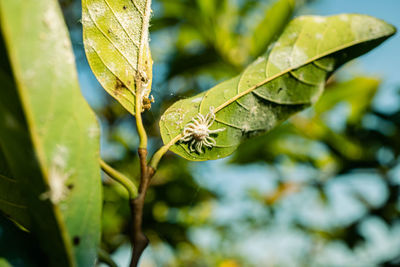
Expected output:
(228, 124)
(120, 23)
(12, 204)
(238, 90)
(288, 70)
(110, 41)
(116, 77)
(295, 76)
(138, 9)
(8, 179)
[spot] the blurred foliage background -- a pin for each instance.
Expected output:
(321, 190)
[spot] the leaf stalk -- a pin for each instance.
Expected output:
(119, 177)
(139, 122)
(155, 159)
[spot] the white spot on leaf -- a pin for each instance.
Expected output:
(197, 100)
(319, 19)
(344, 17)
(97, 9)
(57, 177)
(253, 110)
(93, 131)
(293, 35)
(246, 128)
(90, 43)
(51, 19)
(61, 156)
(299, 57)
(259, 60)
(281, 58)
(86, 21)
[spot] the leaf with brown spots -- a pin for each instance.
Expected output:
(116, 38)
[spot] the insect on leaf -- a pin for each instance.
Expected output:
(288, 78)
(116, 39)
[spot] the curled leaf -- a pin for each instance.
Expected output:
(288, 78)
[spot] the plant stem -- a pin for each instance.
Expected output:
(155, 159)
(139, 240)
(139, 123)
(119, 177)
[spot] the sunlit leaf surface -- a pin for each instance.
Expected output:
(116, 38)
(288, 78)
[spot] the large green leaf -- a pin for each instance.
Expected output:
(357, 93)
(287, 79)
(116, 38)
(49, 136)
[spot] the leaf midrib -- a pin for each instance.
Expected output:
(327, 53)
(251, 89)
(145, 33)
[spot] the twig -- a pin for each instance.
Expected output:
(147, 171)
(139, 240)
(155, 159)
(119, 177)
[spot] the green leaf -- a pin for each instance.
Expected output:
(287, 79)
(357, 93)
(271, 26)
(49, 135)
(116, 38)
